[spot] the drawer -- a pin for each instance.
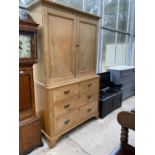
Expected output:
(66, 121)
(126, 78)
(117, 101)
(129, 82)
(88, 98)
(89, 109)
(132, 85)
(127, 73)
(90, 85)
(65, 92)
(128, 92)
(65, 106)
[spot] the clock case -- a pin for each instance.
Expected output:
(29, 27)
(29, 123)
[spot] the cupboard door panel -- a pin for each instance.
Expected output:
(61, 44)
(86, 46)
(26, 93)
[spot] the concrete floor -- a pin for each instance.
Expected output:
(94, 137)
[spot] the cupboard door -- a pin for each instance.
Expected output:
(26, 94)
(86, 46)
(61, 45)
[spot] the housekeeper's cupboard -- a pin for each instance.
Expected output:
(66, 83)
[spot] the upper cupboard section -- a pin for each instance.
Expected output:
(68, 41)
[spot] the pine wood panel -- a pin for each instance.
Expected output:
(44, 109)
(86, 46)
(61, 44)
(40, 68)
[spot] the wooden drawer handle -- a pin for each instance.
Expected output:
(66, 122)
(66, 106)
(66, 92)
(89, 110)
(90, 84)
(89, 97)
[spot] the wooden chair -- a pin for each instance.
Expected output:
(127, 121)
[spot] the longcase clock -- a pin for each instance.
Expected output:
(29, 123)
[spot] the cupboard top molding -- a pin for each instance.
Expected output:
(61, 7)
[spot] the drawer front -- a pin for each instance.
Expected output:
(66, 121)
(117, 101)
(90, 85)
(65, 106)
(127, 73)
(128, 82)
(87, 98)
(126, 78)
(65, 92)
(89, 109)
(128, 92)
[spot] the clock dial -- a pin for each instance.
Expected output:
(24, 46)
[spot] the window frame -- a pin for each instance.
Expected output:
(128, 34)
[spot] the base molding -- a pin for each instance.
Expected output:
(52, 141)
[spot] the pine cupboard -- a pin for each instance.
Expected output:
(66, 84)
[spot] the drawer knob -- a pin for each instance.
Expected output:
(66, 92)
(66, 106)
(67, 121)
(89, 110)
(90, 84)
(89, 97)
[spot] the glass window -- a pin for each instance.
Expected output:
(60, 1)
(91, 6)
(26, 3)
(75, 4)
(108, 48)
(123, 15)
(110, 13)
(121, 47)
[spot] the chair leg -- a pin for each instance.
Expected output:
(124, 135)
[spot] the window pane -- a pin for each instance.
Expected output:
(123, 15)
(91, 6)
(25, 3)
(121, 49)
(108, 49)
(110, 13)
(60, 1)
(130, 50)
(75, 4)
